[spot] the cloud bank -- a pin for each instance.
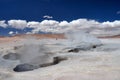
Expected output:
(53, 26)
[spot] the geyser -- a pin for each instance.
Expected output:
(34, 56)
(29, 67)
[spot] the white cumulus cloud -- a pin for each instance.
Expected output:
(33, 24)
(90, 26)
(48, 17)
(11, 32)
(18, 24)
(3, 24)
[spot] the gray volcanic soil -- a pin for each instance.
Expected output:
(76, 58)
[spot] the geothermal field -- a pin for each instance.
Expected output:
(70, 56)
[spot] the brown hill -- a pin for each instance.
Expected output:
(114, 36)
(38, 36)
(41, 36)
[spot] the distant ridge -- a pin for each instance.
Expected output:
(114, 36)
(2, 36)
(25, 36)
(39, 36)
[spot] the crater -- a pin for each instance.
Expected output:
(30, 67)
(76, 50)
(56, 60)
(24, 67)
(11, 56)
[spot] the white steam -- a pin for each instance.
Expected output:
(34, 52)
(39, 52)
(79, 39)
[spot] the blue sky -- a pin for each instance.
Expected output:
(34, 10)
